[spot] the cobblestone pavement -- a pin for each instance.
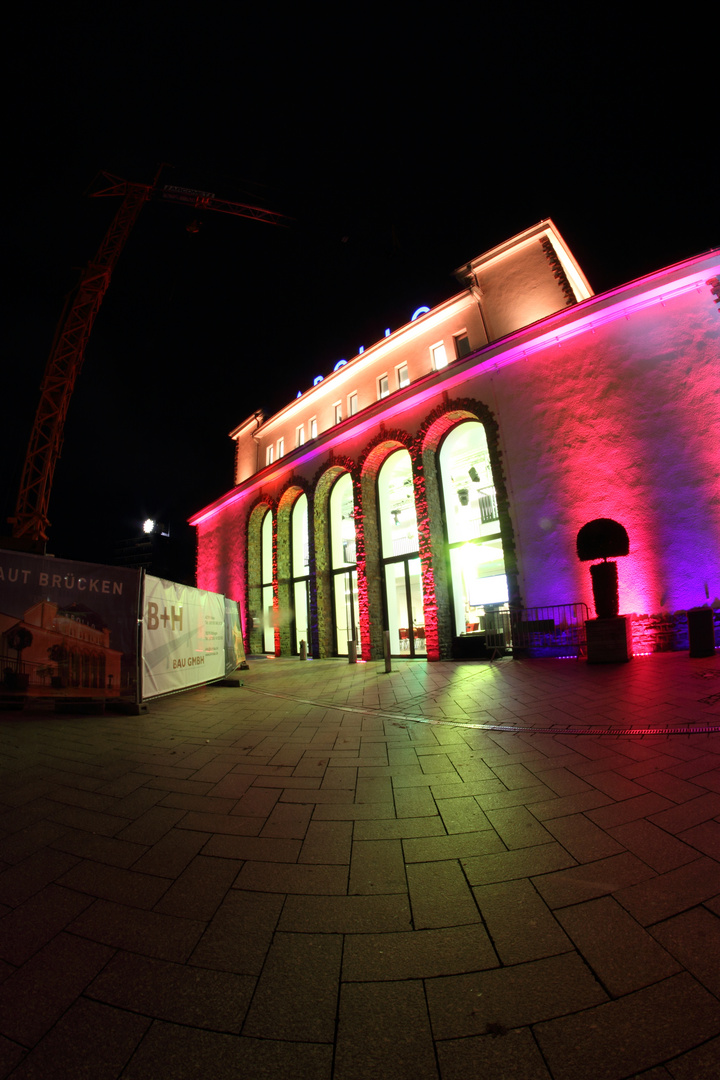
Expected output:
(450, 871)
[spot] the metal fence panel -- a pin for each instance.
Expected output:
(555, 630)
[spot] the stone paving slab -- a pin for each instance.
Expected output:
(72, 1049)
(216, 1000)
(310, 876)
(631, 1034)
(383, 1030)
(623, 956)
(509, 1053)
(511, 997)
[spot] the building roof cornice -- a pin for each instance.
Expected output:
(659, 287)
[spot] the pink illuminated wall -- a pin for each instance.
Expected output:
(622, 421)
(222, 557)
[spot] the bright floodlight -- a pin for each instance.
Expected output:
(148, 526)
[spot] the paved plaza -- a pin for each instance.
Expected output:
(470, 871)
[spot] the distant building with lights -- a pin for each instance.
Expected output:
(445, 472)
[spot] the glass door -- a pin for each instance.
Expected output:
(268, 611)
(347, 625)
(301, 576)
(406, 623)
(344, 559)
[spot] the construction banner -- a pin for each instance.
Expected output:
(67, 629)
(234, 648)
(183, 637)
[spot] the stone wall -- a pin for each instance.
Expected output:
(667, 632)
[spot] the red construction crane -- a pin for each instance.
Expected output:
(30, 522)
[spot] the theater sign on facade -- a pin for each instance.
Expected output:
(448, 468)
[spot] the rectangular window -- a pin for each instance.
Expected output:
(403, 376)
(313, 428)
(281, 447)
(352, 404)
(462, 345)
(269, 454)
(338, 412)
(383, 386)
(299, 434)
(439, 356)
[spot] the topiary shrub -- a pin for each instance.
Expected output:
(603, 539)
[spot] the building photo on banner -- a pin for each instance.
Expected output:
(67, 629)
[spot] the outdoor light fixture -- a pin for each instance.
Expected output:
(151, 526)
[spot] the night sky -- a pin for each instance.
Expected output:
(400, 145)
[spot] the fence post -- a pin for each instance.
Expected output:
(386, 650)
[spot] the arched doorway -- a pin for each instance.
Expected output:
(266, 584)
(260, 577)
(300, 574)
(478, 576)
(399, 543)
(343, 565)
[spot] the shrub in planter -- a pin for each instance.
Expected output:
(604, 577)
(603, 539)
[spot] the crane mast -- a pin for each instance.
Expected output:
(30, 521)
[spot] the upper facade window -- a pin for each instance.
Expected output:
(299, 434)
(439, 356)
(313, 428)
(342, 524)
(338, 412)
(403, 376)
(352, 404)
(270, 454)
(396, 496)
(462, 345)
(280, 447)
(383, 385)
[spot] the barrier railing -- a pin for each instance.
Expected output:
(554, 630)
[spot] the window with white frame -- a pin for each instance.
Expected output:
(313, 428)
(352, 404)
(439, 356)
(338, 411)
(270, 454)
(280, 447)
(403, 376)
(462, 345)
(299, 434)
(383, 385)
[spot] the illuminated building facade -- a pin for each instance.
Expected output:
(448, 468)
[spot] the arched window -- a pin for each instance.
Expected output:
(399, 547)
(343, 562)
(477, 565)
(266, 580)
(300, 572)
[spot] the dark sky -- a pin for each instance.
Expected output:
(401, 145)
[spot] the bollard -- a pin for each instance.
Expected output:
(352, 652)
(303, 650)
(386, 650)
